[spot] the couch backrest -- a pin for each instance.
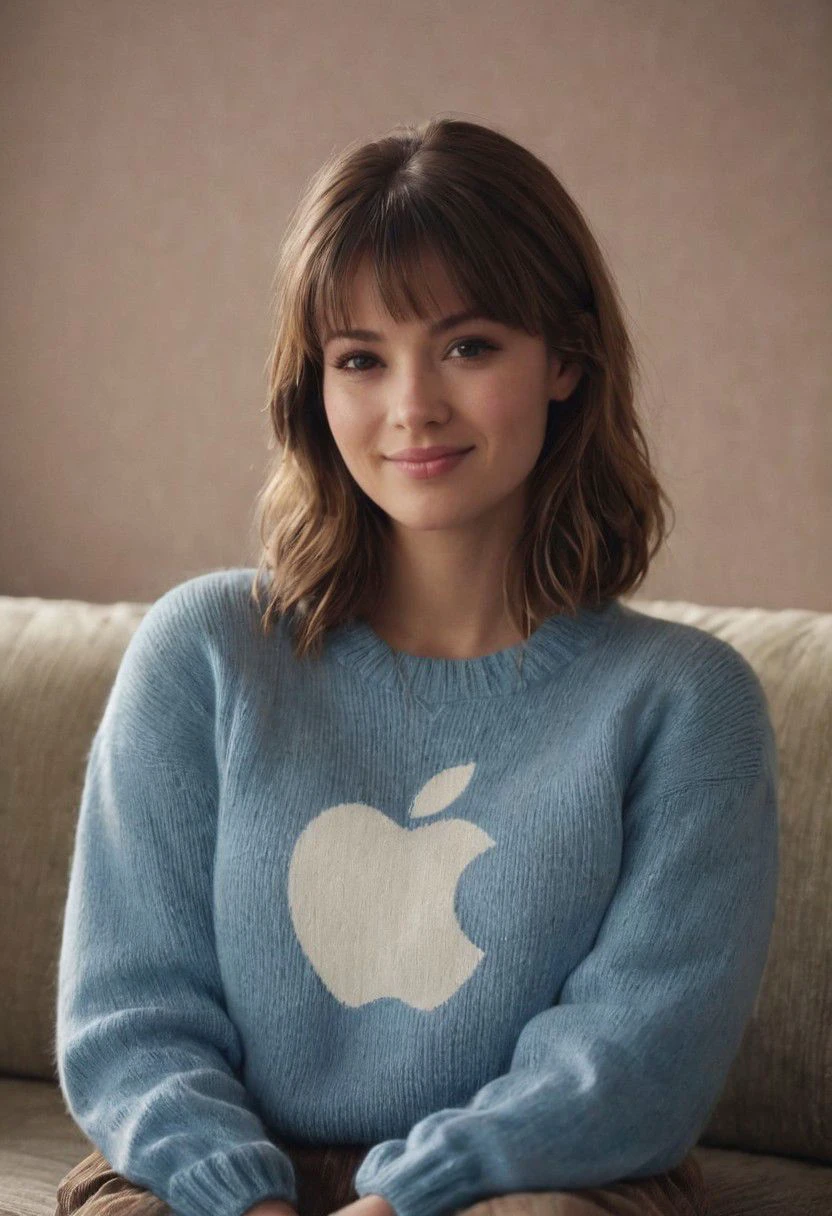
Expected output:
(58, 659)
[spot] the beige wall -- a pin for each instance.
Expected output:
(154, 151)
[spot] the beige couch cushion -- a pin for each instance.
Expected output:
(59, 658)
(39, 1144)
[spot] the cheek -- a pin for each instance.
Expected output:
(353, 433)
(509, 419)
(343, 418)
(514, 427)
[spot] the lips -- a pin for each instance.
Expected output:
(426, 470)
(418, 455)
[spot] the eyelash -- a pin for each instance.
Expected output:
(363, 354)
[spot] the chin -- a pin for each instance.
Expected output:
(432, 522)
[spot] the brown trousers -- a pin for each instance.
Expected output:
(324, 1177)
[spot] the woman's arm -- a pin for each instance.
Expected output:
(149, 1061)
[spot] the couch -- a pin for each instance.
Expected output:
(767, 1148)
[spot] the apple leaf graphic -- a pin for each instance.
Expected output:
(441, 790)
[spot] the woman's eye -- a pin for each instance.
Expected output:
(474, 342)
(345, 359)
(348, 358)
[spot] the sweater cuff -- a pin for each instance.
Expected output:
(413, 1183)
(229, 1183)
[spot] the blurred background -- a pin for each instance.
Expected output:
(152, 154)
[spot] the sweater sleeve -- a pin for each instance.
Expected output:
(147, 1056)
(618, 1078)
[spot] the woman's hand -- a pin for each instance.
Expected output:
(367, 1205)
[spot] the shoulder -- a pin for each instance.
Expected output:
(205, 597)
(702, 708)
(170, 681)
(205, 608)
(684, 657)
(181, 633)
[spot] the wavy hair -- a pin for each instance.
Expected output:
(516, 246)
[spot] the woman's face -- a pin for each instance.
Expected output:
(476, 384)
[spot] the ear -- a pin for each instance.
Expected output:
(564, 378)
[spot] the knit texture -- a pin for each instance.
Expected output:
(504, 921)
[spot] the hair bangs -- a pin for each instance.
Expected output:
(397, 240)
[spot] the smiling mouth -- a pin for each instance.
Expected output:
(413, 455)
(424, 469)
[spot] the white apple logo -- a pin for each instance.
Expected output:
(372, 903)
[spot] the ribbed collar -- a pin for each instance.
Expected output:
(554, 643)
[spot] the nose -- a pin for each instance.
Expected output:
(416, 397)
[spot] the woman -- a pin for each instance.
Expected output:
(417, 874)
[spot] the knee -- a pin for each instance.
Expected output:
(76, 1186)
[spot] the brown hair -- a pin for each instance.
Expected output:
(516, 246)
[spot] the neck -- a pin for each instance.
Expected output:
(447, 645)
(444, 595)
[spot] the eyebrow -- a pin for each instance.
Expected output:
(439, 327)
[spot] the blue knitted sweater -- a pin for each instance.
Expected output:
(503, 921)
